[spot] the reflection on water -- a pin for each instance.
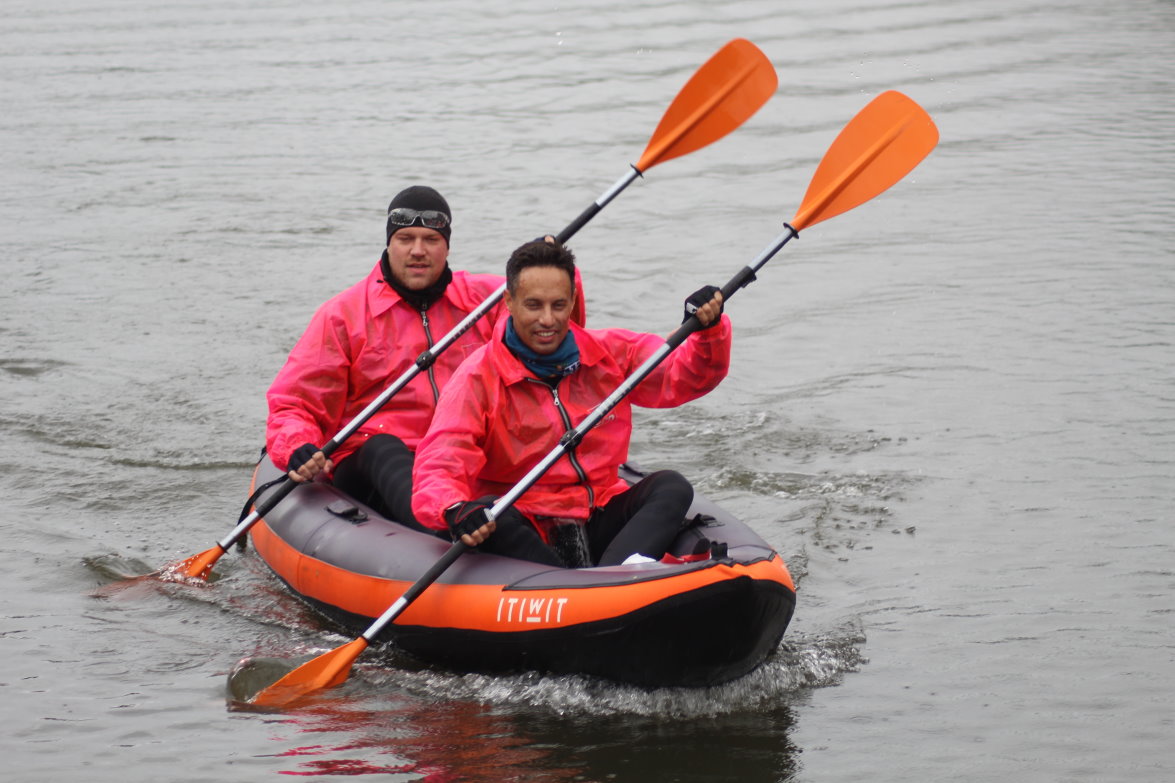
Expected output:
(463, 740)
(448, 741)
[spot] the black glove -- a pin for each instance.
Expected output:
(464, 518)
(302, 455)
(699, 298)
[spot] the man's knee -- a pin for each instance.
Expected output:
(383, 446)
(672, 485)
(516, 537)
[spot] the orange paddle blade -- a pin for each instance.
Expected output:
(196, 567)
(878, 147)
(719, 97)
(325, 671)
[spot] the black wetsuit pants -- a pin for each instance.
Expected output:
(379, 475)
(644, 519)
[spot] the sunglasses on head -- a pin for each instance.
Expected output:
(429, 218)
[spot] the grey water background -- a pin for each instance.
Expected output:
(950, 409)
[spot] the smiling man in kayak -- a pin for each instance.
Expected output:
(512, 401)
(364, 338)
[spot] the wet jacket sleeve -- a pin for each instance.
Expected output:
(695, 368)
(308, 396)
(450, 457)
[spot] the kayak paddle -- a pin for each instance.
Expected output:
(721, 95)
(878, 147)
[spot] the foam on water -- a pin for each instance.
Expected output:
(798, 664)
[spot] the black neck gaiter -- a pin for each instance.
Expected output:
(423, 298)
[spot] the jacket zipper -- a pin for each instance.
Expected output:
(432, 378)
(567, 427)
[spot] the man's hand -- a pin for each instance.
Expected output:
(468, 521)
(306, 462)
(706, 304)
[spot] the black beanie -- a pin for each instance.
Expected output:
(420, 198)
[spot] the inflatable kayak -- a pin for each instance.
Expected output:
(710, 611)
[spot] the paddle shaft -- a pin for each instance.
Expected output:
(597, 205)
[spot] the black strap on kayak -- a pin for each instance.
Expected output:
(243, 540)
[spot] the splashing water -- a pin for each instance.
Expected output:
(799, 664)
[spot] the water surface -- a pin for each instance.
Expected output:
(950, 409)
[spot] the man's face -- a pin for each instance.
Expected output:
(417, 256)
(541, 307)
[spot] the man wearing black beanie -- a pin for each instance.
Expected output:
(418, 272)
(420, 199)
(361, 341)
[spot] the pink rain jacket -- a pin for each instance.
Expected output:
(356, 345)
(495, 421)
